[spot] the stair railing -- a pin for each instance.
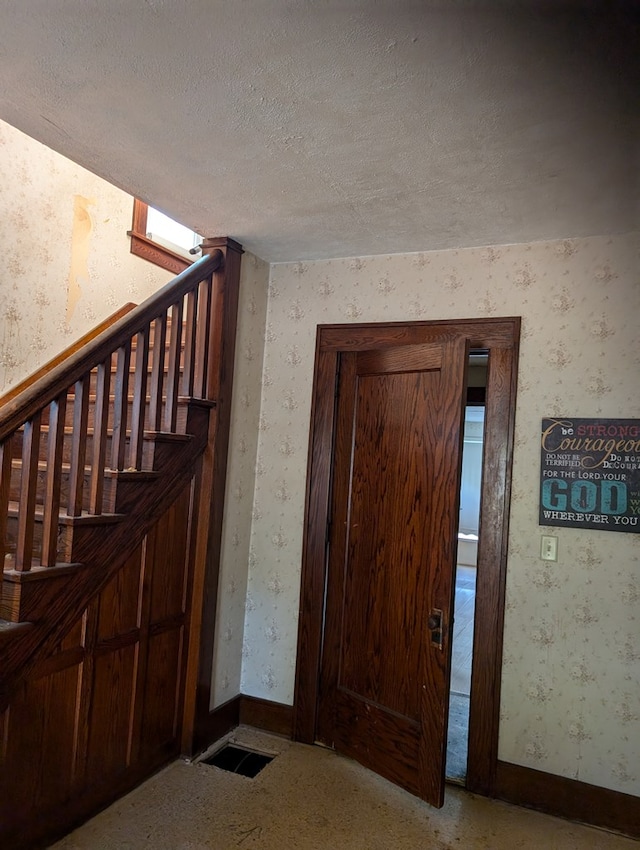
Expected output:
(181, 321)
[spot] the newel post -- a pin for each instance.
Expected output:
(223, 317)
(221, 352)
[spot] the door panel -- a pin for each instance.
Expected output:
(383, 684)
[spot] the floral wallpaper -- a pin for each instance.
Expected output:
(67, 265)
(571, 674)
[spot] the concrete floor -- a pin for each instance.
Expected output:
(309, 798)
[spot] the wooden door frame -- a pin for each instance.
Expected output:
(500, 337)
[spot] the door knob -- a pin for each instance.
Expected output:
(434, 624)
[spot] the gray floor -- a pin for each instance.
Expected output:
(462, 651)
(457, 738)
(309, 798)
(464, 606)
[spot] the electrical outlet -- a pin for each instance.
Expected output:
(549, 548)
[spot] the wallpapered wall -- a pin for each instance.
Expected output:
(66, 260)
(571, 676)
(236, 530)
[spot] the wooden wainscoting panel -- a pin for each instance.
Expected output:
(74, 640)
(104, 710)
(39, 746)
(169, 544)
(568, 798)
(110, 717)
(161, 715)
(120, 599)
(114, 651)
(163, 623)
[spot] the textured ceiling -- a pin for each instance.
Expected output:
(319, 129)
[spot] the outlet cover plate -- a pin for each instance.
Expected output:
(549, 548)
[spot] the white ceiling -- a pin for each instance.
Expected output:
(316, 128)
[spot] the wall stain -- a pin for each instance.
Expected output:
(80, 238)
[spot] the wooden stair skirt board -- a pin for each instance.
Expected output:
(568, 798)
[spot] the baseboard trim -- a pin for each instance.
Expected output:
(568, 798)
(524, 786)
(269, 716)
(250, 711)
(221, 720)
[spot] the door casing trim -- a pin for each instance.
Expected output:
(500, 337)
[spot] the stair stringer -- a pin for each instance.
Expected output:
(102, 553)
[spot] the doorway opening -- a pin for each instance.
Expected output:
(357, 369)
(466, 571)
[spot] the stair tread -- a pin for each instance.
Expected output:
(12, 631)
(148, 434)
(37, 572)
(132, 474)
(182, 400)
(167, 436)
(9, 626)
(85, 518)
(65, 466)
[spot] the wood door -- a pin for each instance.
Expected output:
(384, 682)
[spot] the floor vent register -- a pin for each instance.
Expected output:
(238, 760)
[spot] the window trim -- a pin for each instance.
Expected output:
(149, 250)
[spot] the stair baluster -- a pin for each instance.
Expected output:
(120, 407)
(202, 342)
(79, 445)
(173, 376)
(190, 324)
(55, 448)
(6, 457)
(28, 488)
(99, 445)
(139, 399)
(157, 372)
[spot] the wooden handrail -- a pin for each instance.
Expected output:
(66, 354)
(22, 407)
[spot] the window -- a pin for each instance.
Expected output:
(161, 240)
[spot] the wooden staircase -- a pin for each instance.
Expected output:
(108, 461)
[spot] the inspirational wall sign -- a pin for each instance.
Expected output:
(590, 473)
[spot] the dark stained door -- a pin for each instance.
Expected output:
(385, 668)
